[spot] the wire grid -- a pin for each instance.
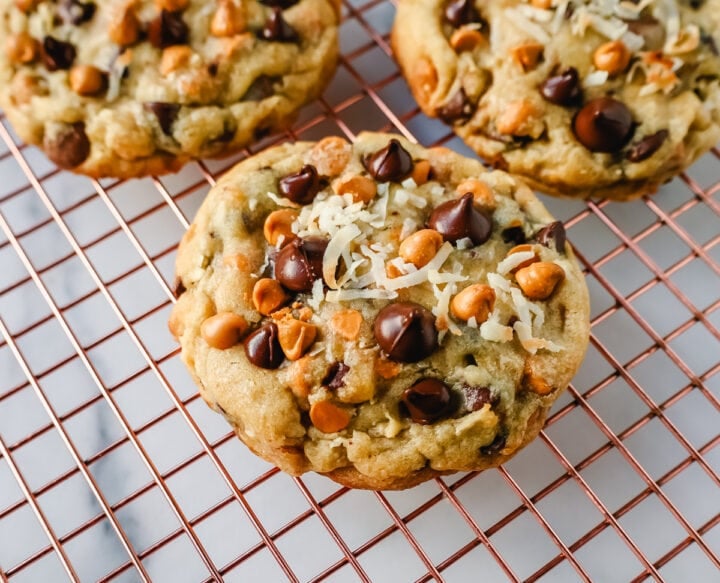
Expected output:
(112, 468)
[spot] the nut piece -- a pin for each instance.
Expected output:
(475, 301)
(613, 57)
(527, 55)
(268, 295)
(329, 418)
(523, 249)
(87, 80)
(515, 118)
(21, 48)
(279, 224)
(223, 330)
(228, 20)
(295, 337)
(421, 172)
(174, 58)
(420, 247)
(539, 280)
(346, 324)
(362, 188)
(171, 5)
(466, 39)
(483, 197)
(124, 28)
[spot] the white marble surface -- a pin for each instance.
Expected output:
(680, 287)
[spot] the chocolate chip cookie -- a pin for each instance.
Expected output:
(128, 88)
(378, 312)
(582, 98)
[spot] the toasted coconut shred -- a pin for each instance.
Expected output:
(355, 264)
(609, 18)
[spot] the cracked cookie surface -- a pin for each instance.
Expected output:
(128, 88)
(582, 98)
(378, 312)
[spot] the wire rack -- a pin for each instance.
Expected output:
(112, 468)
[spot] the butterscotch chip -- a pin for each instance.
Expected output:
(170, 80)
(374, 380)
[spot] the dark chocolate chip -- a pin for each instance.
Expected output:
(476, 397)
(57, 55)
(302, 186)
(646, 147)
(427, 401)
(262, 347)
(277, 29)
(299, 263)
(459, 12)
(260, 89)
(707, 39)
(552, 236)
(166, 114)
(458, 108)
(497, 445)
(391, 164)
(178, 287)
(458, 219)
(563, 88)
(69, 147)
(651, 29)
(603, 125)
(75, 12)
(406, 332)
(335, 378)
(514, 235)
(168, 29)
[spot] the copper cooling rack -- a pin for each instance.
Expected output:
(112, 468)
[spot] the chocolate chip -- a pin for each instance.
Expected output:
(458, 108)
(495, 447)
(476, 397)
(406, 332)
(57, 55)
(75, 12)
(168, 29)
(391, 164)
(260, 89)
(302, 186)
(603, 125)
(166, 114)
(178, 287)
(459, 12)
(299, 263)
(514, 235)
(277, 29)
(427, 401)
(335, 378)
(458, 219)
(262, 347)
(562, 89)
(69, 147)
(650, 29)
(552, 236)
(646, 147)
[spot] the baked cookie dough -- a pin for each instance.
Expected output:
(128, 88)
(378, 312)
(582, 98)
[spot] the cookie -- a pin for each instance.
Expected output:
(128, 88)
(582, 98)
(379, 312)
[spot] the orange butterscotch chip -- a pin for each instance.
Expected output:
(387, 369)
(536, 384)
(300, 382)
(421, 172)
(223, 330)
(527, 55)
(361, 188)
(329, 418)
(237, 261)
(346, 323)
(330, 156)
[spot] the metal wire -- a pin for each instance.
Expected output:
(167, 488)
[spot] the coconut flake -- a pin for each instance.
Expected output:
(595, 79)
(532, 345)
(513, 261)
(464, 243)
(498, 283)
(409, 183)
(409, 226)
(493, 331)
(346, 295)
(331, 259)
(421, 275)
(317, 295)
(282, 201)
(530, 27)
